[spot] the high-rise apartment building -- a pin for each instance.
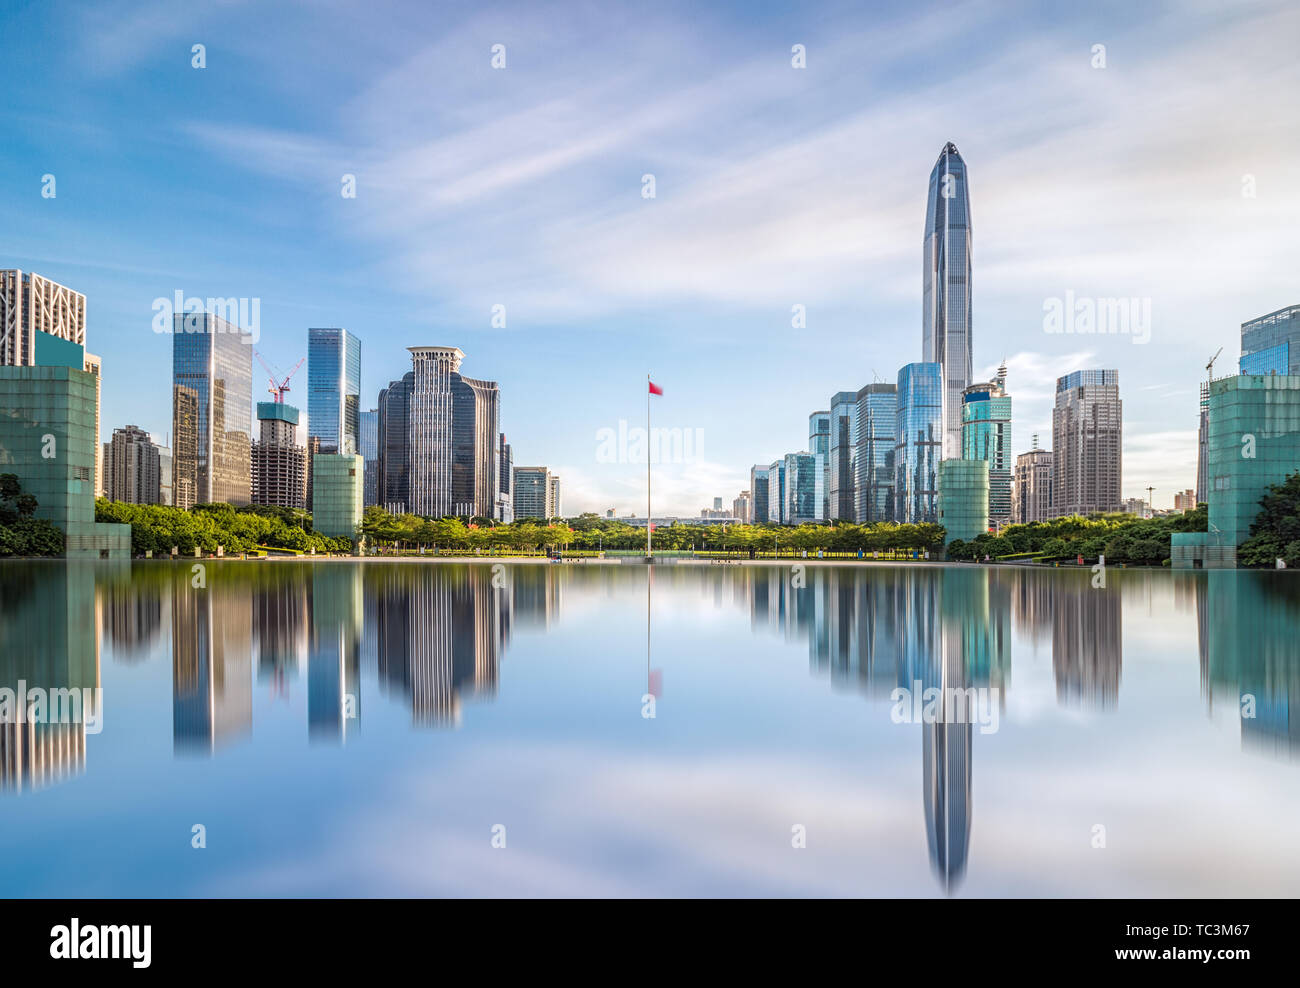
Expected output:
(279, 463)
(740, 508)
(553, 495)
(1032, 491)
(334, 390)
(1088, 443)
(946, 288)
(212, 410)
(132, 467)
(986, 435)
(919, 442)
(873, 459)
(1185, 501)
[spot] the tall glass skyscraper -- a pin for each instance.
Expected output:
(1271, 343)
(776, 493)
(919, 444)
(844, 436)
(758, 510)
(819, 444)
(212, 410)
(803, 488)
(394, 469)
(873, 485)
(946, 288)
(334, 390)
(986, 435)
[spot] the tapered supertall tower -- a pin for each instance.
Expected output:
(946, 310)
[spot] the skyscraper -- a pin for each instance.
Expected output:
(919, 443)
(776, 504)
(946, 288)
(395, 443)
(1032, 493)
(334, 389)
(212, 419)
(1271, 343)
(1088, 443)
(132, 467)
(803, 488)
(475, 476)
(431, 429)
(986, 435)
(536, 493)
(758, 494)
(30, 304)
(843, 437)
(873, 485)
(369, 450)
(819, 445)
(506, 481)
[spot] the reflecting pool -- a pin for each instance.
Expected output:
(410, 728)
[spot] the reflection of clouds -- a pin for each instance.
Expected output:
(685, 826)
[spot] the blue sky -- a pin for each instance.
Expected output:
(774, 187)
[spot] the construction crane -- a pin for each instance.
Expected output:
(1209, 368)
(278, 389)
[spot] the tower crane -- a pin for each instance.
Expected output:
(278, 389)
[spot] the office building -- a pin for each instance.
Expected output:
(1271, 343)
(841, 451)
(337, 481)
(946, 288)
(369, 450)
(873, 459)
(758, 513)
(93, 365)
(132, 467)
(536, 492)
(50, 406)
(986, 435)
(31, 304)
(476, 443)
(803, 488)
(334, 389)
(1032, 491)
(963, 499)
(1254, 444)
(506, 486)
(166, 494)
(776, 504)
(279, 463)
(919, 441)
(212, 410)
(395, 444)
(741, 507)
(1087, 443)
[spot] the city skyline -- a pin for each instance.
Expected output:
(822, 194)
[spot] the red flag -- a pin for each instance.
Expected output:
(655, 389)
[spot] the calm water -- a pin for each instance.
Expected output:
(342, 728)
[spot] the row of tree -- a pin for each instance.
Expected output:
(158, 528)
(1121, 538)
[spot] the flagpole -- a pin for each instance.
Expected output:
(648, 551)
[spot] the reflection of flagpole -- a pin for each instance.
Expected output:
(648, 551)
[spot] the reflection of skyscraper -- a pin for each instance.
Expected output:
(47, 643)
(212, 672)
(279, 623)
(334, 659)
(132, 616)
(1249, 664)
(441, 631)
(946, 288)
(1087, 645)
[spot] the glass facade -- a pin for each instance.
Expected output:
(963, 499)
(843, 441)
(776, 493)
(334, 390)
(803, 488)
(1271, 343)
(946, 287)
(337, 481)
(819, 444)
(919, 443)
(873, 485)
(369, 450)
(212, 410)
(395, 444)
(758, 494)
(986, 435)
